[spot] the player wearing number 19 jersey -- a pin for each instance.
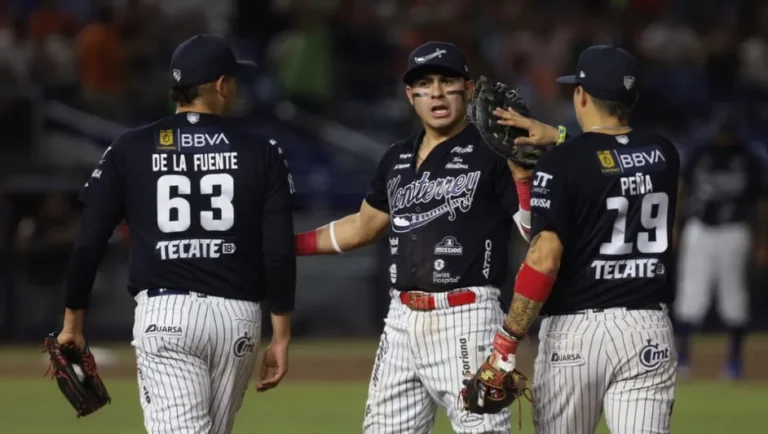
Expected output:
(602, 213)
(208, 205)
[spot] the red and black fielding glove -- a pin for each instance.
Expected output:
(496, 384)
(87, 394)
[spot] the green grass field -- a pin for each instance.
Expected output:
(33, 405)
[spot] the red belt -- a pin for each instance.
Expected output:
(426, 301)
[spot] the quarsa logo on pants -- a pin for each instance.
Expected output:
(652, 355)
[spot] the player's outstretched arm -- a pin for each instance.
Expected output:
(351, 232)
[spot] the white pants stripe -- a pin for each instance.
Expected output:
(195, 356)
(713, 257)
(618, 361)
(423, 357)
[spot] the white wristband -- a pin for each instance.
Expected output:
(333, 239)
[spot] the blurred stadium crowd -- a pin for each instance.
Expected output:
(74, 72)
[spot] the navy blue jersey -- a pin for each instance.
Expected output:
(611, 200)
(450, 219)
(208, 205)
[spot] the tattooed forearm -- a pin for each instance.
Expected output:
(522, 312)
(532, 245)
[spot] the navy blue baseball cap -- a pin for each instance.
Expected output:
(204, 58)
(436, 57)
(606, 72)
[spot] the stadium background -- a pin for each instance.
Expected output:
(75, 73)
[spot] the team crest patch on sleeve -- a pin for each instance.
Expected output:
(632, 160)
(166, 140)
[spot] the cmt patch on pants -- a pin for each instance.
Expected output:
(654, 354)
(243, 346)
(380, 354)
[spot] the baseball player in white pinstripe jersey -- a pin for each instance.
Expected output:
(602, 210)
(448, 202)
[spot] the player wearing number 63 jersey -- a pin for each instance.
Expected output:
(208, 205)
(602, 210)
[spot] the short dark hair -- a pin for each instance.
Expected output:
(617, 109)
(184, 95)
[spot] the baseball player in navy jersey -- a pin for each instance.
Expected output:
(448, 203)
(602, 213)
(208, 205)
(722, 197)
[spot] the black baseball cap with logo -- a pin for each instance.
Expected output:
(204, 58)
(606, 72)
(436, 57)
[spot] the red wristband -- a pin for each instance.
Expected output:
(533, 284)
(523, 195)
(505, 345)
(305, 243)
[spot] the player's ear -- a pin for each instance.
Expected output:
(469, 87)
(409, 94)
(219, 85)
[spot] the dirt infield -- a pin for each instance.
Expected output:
(708, 357)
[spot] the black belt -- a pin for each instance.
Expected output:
(649, 306)
(156, 292)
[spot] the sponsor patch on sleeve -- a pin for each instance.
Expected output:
(632, 160)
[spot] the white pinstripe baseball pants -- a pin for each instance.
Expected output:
(423, 357)
(195, 356)
(618, 361)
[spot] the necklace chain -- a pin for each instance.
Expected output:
(619, 127)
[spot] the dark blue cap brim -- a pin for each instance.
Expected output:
(247, 71)
(567, 79)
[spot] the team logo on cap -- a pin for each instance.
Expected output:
(438, 53)
(629, 81)
(176, 75)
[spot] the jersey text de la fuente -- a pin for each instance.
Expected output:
(611, 201)
(208, 204)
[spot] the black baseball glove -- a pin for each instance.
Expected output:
(87, 394)
(488, 97)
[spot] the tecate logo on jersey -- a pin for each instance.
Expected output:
(193, 249)
(463, 150)
(627, 269)
(652, 355)
(487, 259)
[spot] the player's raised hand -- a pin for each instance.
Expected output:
(273, 367)
(538, 133)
